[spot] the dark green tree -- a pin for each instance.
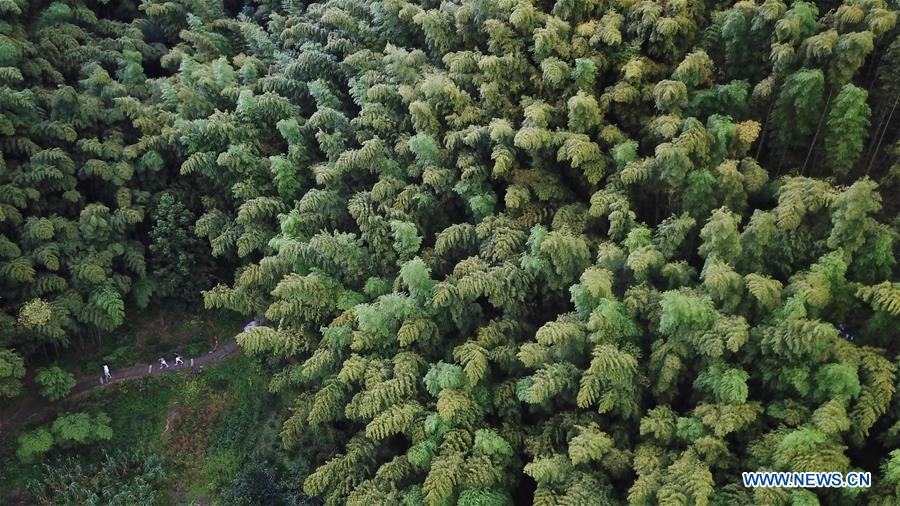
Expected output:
(177, 264)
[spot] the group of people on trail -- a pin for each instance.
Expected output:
(107, 376)
(178, 361)
(163, 364)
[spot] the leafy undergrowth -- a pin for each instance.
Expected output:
(204, 427)
(136, 409)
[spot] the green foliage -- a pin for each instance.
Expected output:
(55, 383)
(34, 444)
(798, 108)
(73, 429)
(555, 223)
(846, 128)
(75, 179)
(175, 252)
(257, 483)
(67, 431)
(118, 478)
(598, 244)
(12, 370)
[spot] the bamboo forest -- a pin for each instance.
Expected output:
(455, 252)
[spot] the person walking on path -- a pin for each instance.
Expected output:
(35, 406)
(106, 373)
(178, 360)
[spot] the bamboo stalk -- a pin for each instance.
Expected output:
(883, 133)
(818, 129)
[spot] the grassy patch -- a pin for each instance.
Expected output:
(213, 423)
(138, 408)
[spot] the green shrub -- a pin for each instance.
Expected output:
(34, 444)
(67, 431)
(12, 369)
(55, 383)
(73, 429)
(258, 482)
(255, 483)
(220, 467)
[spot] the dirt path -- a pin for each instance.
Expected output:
(38, 405)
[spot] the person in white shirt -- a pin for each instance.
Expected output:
(178, 359)
(162, 363)
(106, 373)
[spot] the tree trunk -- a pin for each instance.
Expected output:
(762, 135)
(818, 129)
(887, 126)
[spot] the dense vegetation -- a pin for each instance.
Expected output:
(572, 252)
(173, 439)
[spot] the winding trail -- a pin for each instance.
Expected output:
(37, 405)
